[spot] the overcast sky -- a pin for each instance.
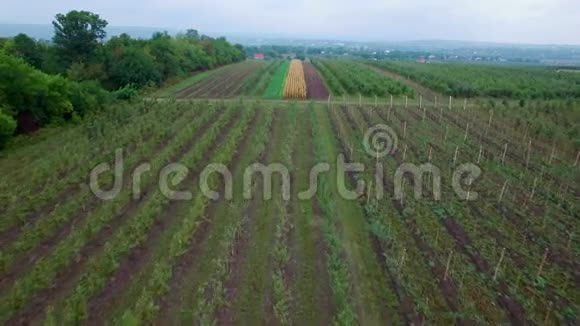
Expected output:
(519, 21)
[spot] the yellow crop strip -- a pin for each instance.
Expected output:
(295, 87)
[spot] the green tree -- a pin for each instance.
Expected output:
(28, 49)
(78, 34)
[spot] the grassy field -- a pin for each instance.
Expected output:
(496, 246)
(275, 88)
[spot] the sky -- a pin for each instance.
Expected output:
(510, 21)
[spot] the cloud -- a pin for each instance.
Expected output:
(534, 21)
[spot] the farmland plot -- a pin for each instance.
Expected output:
(381, 253)
(224, 82)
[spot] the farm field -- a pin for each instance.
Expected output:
(346, 77)
(375, 256)
(315, 87)
(471, 80)
(275, 88)
(227, 81)
(295, 85)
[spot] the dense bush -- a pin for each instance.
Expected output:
(49, 99)
(7, 128)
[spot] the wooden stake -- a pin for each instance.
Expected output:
(489, 122)
(504, 153)
(402, 260)
(430, 153)
(577, 157)
(405, 153)
(406, 101)
(405, 130)
(541, 267)
(329, 105)
(420, 101)
(548, 313)
(498, 264)
(450, 99)
(441, 115)
(529, 153)
(369, 187)
(553, 153)
(447, 266)
(359, 100)
(466, 131)
(480, 153)
(503, 189)
(424, 113)
(435, 101)
(391, 101)
(464, 104)
(455, 155)
(376, 101)
(533, 189)
(389, 114)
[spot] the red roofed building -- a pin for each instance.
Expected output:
(259, 56)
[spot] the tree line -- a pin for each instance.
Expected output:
(80, 70)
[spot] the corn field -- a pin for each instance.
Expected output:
(295, 87)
